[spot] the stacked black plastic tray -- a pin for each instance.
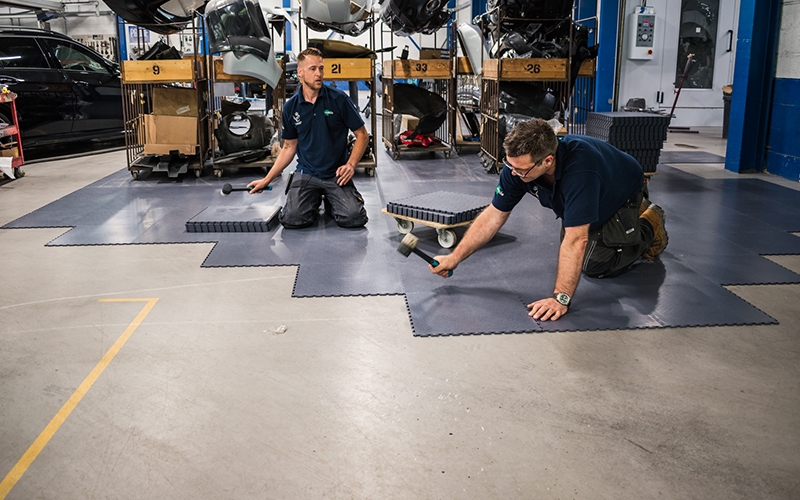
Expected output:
(442, 207)
(641, 135)
(247, 219)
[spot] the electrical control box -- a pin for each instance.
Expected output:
(641, 33)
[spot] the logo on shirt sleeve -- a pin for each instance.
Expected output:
(296, 117)
(499, 190)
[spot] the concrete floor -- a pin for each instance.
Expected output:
(208, 400)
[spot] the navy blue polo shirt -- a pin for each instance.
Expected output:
(593, 179)
(320, 129)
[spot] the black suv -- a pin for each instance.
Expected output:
(65, 90)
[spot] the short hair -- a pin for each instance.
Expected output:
(534, 137)
(311, 51)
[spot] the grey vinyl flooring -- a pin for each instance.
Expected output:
(231, 388)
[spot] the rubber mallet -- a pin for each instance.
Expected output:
(409, 244)
(228, 189)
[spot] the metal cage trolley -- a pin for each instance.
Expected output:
(165, 103)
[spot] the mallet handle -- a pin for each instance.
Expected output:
(429, 259)
(268, 188)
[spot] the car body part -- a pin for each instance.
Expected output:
(160, 16)
(239, 131)
(406, 17)
(348, 17)
(238, 30)
(429, 107)
(472, 44)
(339, 48)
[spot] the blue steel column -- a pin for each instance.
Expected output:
(752, 85)
(606, 55)
(122, 36)
(287, 4)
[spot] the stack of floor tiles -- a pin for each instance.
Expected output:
(641, 135)
(441, 207)
(249, 219)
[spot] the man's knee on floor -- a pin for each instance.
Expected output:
(353, 219)
(293, 220)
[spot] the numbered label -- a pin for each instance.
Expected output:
(336, 69)
(422, 67)
(156, 69)
(533, 68)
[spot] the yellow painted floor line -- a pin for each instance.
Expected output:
(30, 455)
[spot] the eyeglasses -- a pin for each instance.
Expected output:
(522, 174)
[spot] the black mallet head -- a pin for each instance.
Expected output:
(228, 189)
(409, 245)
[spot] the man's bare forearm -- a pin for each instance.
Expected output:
(283, 160)
(570, 259)
(486, 225)
(362, 140)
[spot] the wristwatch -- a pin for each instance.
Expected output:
(562, 298)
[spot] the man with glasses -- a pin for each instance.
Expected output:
(596, 190)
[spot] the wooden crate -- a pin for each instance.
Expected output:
(348, 69)
(525, 69)
(588, 68)
(533, 69)
(180, 70)
(424, 68)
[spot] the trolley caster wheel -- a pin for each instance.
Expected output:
(404, 226)
(395, 155)
(458, 150)
(447, 155)
(18, 172)
(371, 172)
(218, 173)
(447, 238)
(388, 149)
(135, 174)
(198, 173)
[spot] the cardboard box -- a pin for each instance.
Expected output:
(165, 149)
(431, 54)
(161, 129)
(174, 101)
(9, 153)
(169, 133)
(408, 122)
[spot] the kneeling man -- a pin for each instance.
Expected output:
(315, 122)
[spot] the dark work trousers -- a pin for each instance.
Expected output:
(305, 194)
(614, 247)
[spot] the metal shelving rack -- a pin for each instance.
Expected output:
(217, 75)
(440, 72)
(356, 70)
(554, 73)
(139, 78)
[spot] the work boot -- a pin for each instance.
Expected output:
(657, 219)
(644, 206)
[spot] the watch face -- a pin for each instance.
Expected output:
(563, 298)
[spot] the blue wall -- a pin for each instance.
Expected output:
(783, 146)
